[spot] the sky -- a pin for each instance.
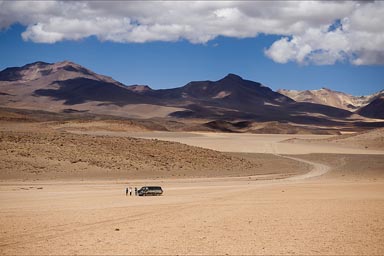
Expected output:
(295, 45)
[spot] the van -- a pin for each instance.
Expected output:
(150, 191)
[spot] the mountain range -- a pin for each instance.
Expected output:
(336, 99)
(66, 87)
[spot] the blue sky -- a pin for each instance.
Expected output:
(168, 62)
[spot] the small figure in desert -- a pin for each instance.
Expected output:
(126, 191)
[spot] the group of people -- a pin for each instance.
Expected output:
(129, 190)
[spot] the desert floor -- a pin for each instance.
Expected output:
(334, 205)
(248, 143)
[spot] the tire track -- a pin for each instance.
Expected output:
(317, 169)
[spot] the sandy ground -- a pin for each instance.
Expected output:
(249, 143)
(194, 217)
(36, 155)
(336, 208)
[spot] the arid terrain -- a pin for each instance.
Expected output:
(157, 127)
(62, 191)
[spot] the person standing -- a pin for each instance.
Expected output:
(126, 191)
(130, 191)
(135, 191)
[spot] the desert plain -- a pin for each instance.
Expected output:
(62, 192)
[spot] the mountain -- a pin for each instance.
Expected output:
(375, 109)
(56, 72)
(370, 106)
(332, 98)
(327, 97)
(231, 88)
(65, 81)
(66, 87)
(231, 96)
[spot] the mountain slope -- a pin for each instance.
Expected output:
(231, 88)
(80, 90)
(329, 97)
(65, 85)
(375, 109)
(44, 76)
(56, 72)
(235, 97)
(231, 96)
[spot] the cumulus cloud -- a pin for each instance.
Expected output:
(312, 32)
(357, 38)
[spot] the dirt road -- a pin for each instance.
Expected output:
(316, 169)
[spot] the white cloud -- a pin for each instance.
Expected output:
(359, 39)
(316, 45)
(303, 25)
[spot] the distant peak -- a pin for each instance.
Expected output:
(37, 63)
(40, 63)
(139, 88)
(233, 76)
(56, 64)
(66, 63)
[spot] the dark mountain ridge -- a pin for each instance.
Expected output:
(231, 88)
(58, 85)
(375, 109)
(80, 90)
